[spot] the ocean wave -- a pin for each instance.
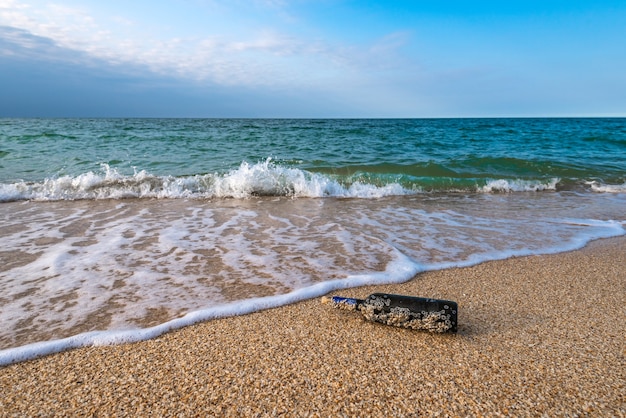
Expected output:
(248, 180)
(519, 185)
(607, 188)
(265, 178)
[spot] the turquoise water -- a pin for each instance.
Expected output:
(419, 155)
(115, 230)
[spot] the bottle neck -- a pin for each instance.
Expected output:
(349, 304)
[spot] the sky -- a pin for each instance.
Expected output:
(312, 58)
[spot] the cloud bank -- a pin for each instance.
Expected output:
(333, 58)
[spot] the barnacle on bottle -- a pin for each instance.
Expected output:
(431, 315)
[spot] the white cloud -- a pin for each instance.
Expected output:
(251, 57)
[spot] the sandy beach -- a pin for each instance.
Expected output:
(538, 336)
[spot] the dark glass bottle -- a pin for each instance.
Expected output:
(434, 315)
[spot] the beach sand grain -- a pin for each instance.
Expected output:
(539, 335)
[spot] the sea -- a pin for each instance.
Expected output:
(119, 230)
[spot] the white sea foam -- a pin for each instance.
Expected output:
(397, 271)
(607, 188)
(519, 185)
(200, 260)
(401, 269)
(260, 179)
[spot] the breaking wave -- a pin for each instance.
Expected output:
(261, 179)
(607, 188)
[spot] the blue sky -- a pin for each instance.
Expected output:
(322, 58)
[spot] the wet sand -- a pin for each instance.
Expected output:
(540, 335)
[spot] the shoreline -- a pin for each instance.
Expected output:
(537, 335)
